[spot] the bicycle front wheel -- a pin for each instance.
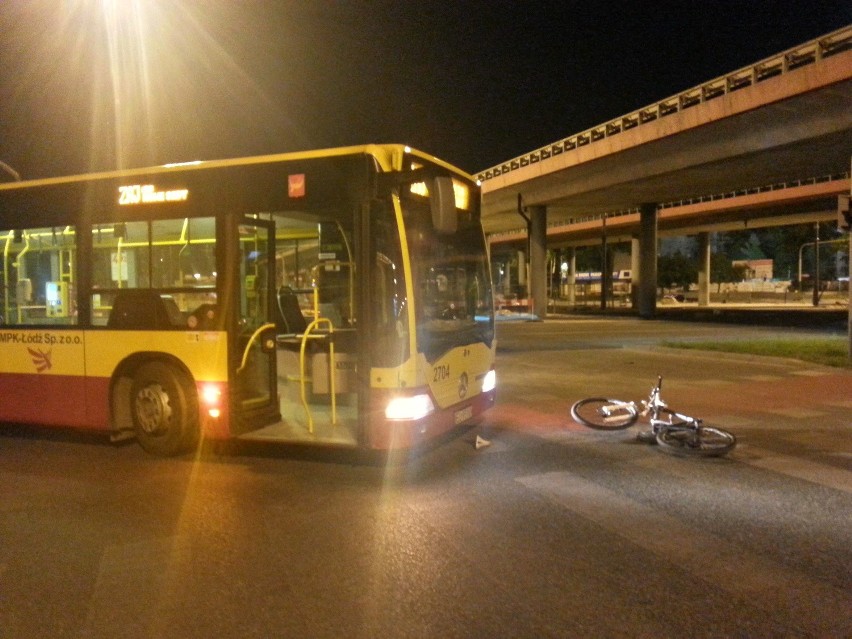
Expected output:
(604, 414)
(703, 441)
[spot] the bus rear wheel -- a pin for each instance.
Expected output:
(164, 406)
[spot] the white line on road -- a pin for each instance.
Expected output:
(704, 555)
(822, 474)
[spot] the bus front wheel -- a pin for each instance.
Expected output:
(164, 406)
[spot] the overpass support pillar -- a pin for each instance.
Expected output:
(704, 269)
(506, 281)
(538, 261)
(647, 290)
(634, 273)
(571, 279)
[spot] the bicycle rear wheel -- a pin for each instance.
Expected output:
(604, 414)
(703, 441)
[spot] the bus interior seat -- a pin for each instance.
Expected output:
(291, 322)
(141, 309)
(176, 318)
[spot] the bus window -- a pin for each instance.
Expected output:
(451, 279)
(37, 275)
(120, 256)
(176, 255)
(316, 256)
(182, 252)
(387, 292)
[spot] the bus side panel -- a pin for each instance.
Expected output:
(97, 402)
(53, 400)
(42, 377)
(203, 354)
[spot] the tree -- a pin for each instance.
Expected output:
(782, 244)
(676, 271)
(722, 269)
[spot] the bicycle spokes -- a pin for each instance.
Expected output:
(676, 433)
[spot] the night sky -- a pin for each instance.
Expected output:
(94, 85)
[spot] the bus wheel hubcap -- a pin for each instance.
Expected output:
(153, 409)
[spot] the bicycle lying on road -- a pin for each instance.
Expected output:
(675, 433)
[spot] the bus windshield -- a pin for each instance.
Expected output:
(451, 280)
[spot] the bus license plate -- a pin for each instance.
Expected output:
(464, 414)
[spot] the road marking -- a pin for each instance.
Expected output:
(704, 555)
(764, 378)
(731, 421)
(810, 373)
(815, 473)
(796, 413)
(711, 383)
(822, 474)
(789, 465)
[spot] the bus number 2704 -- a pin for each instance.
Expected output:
(441, 372)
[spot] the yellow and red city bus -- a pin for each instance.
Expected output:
(337, 297)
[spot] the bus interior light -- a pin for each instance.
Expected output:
(414, 407)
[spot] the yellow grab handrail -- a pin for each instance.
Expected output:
(254, 336)
(331, 368)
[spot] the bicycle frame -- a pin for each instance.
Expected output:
(655, 404)
(676, 433)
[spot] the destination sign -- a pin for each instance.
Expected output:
(133, 194)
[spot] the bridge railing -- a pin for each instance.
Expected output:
(777, 186)
(809, 53)
(610, 215)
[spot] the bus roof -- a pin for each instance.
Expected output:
(388, 156)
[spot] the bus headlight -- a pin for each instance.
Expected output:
(489, 382)
(414, 407)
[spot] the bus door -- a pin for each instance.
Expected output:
(255, 374)
(318, 341)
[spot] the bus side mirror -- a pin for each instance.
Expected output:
(442, 199)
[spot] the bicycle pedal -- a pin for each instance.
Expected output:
(646, 437)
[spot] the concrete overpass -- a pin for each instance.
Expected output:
(783, 122)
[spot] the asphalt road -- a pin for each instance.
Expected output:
(552, 530)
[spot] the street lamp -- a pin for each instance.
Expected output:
(817, 243)
(816, 266)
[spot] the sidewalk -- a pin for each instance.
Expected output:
(802, 315)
